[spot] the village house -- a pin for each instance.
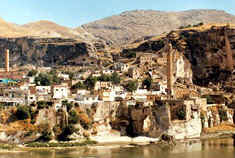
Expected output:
(63, 76)
(96, 74)
(162, 61)
(87, 99)
(60, 92)
(107, 95)
(158, 89)
(13, 96)
(103, 85)
(121, 67)
(146, 59)
(43, 90)
(82, 75)
(107, 72)
(134, 72)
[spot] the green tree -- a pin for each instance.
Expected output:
(131, 86)
(180, 113)
(32, 73)
(73, 117)
(43, 80)
(79, 85)
(68, 105)
(223, 115)
(104, 77)
(115, 78)
(23, 113)
(66, 132)
(148, 83)
(46, 136)
(90, 82)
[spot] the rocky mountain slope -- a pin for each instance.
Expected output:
(132, 25)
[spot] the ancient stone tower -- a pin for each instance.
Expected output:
(169, 70)
(7, 68)
(229, 53)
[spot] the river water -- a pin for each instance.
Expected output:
(216, 148)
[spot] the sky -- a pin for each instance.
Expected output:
(73, 13)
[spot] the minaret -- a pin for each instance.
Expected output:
(169, 70)
(7, 68)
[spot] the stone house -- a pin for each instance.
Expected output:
(103, 85)
(87, 99)
(107, 95)
(134, 73)
(121, 67)
(107, 71)
(146, 59)
(43, 90)
(60, 92)
(14, 96)
(63, 76)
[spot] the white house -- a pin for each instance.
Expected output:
(107, 71)
(63, 76)
(60, 92)
(43, 90)
(108, 95)
(31, 98)
(87, 99)
(103, 85)
(121, 67)
(159, 89)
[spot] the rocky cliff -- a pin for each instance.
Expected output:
(47, 51)
(203, 49)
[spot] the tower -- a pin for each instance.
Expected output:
(7, 68)
(169, 70)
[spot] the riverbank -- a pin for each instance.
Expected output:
(105, 141)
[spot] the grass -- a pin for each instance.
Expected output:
(7, 147)
(60, 144)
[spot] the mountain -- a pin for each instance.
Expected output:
(10, 30)
(132, 25)
(49, 29)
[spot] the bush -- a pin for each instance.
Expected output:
(90, 82)
(66, 132)
(44, 79)
(68, 105)
(23, 113)
(32, 73)
(73, 117)
(115, 78)
(45, 137)
(128, 53)
(181, 113)
(131, 86)
(79, 85)
(148, 83)
(223, 115)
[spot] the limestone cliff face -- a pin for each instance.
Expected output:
(199, 52)
(46, 51)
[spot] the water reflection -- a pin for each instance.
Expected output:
(217, 148)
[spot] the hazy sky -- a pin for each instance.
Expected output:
(73, 13)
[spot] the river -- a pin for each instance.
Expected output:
(216, 148)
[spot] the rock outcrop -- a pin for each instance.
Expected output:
(202, 49)
(47, 51)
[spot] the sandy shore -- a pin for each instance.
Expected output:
(123, 140)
